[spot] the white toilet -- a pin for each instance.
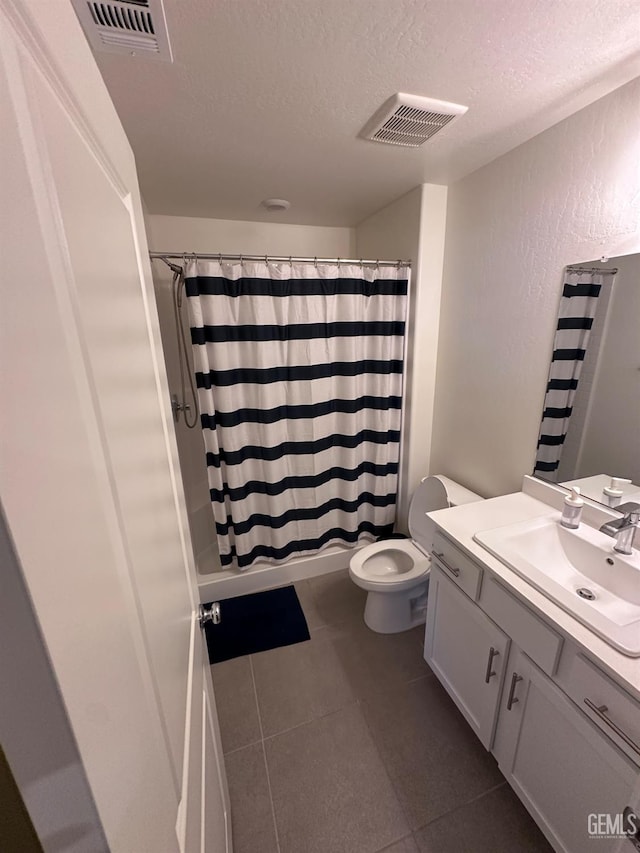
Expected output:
(395, 572)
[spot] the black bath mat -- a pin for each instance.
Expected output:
(257, 622)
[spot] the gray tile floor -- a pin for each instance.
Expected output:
(347, 743)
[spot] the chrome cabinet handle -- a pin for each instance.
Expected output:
(452, 569)
(493, 653)
(511, 701)
(601, 712)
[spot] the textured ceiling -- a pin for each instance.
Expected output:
(266, 97)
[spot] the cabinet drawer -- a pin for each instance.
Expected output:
(527, 630)
(611, 708)
(457, 566)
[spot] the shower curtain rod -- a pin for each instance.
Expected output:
(164, 256)
(612, 271)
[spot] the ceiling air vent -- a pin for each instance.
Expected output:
(410, 120)
(134, 27)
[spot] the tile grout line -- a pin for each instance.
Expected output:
(313, 720)
(403, 811)
(429, 674)
(393, 843)
(359, 700)
(264, 754)
(240, 748)
(255, 696)
(462, 805)
(384, 763)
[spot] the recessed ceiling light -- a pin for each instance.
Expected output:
(275, 205)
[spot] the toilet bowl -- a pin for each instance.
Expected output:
(395, 572)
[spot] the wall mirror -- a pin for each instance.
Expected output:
(590, 429)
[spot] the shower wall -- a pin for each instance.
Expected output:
(177, 233)
(413, 227)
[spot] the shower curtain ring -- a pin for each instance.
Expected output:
(315, 262)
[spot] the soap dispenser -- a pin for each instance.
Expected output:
(613, 493)
(572, 509)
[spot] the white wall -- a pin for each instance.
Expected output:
(189, 234)
(615, 400)
(571, 193)
(413, 228)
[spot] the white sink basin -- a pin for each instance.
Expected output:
(579, 570)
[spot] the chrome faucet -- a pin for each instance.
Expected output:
(623, 529)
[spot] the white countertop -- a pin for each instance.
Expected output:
(462, 522)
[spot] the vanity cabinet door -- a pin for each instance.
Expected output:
(467, 652)
(563, 769)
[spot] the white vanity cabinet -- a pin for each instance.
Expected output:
(564, 760)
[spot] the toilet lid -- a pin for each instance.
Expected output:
(430, 495)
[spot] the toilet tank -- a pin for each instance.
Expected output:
(436, 492)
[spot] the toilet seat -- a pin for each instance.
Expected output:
(395, 572)
(375, 567)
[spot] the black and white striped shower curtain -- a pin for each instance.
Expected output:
(576, 314)
(299, 374)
